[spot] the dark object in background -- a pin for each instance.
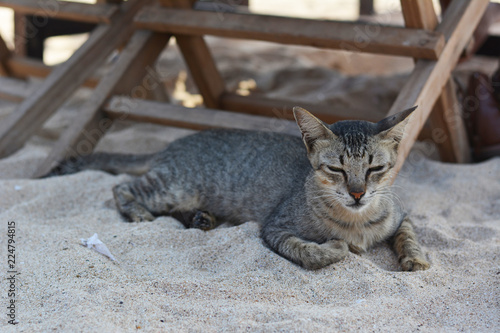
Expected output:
(482, 116)
(30, 34)
(495, 84)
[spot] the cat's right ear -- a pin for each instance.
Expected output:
(312, 128)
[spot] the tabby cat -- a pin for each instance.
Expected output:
(315, 199)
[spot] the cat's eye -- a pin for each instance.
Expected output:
(375, 169)
(334, 169)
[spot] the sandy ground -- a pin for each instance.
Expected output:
(172, 279)
(167, 278)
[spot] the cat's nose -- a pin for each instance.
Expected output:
(357, 195)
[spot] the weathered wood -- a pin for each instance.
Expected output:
(83, 12)
(448, 128)
(199, 60)
(195, 118)
(64, 79)
(22, 67)
(450, 137)
(20, 46)
(202, 68)
(419, 14)
(427, 80)
(126, 77)
(276, 108)
(5, 54)
(367, 37)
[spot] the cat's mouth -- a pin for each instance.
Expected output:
(356, 205)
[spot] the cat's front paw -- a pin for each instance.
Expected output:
(339, 245)
(414, 264)
(316, 256)
(356, 249)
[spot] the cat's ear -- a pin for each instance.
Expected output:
(393, 126)
(312, 128)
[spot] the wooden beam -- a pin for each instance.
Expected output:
(419, 14)
(20, 24)
(194, 118)
(23, 67)
(126, 76)
(451, 139)
(16, 90)
(16, 129)
(202, 69)
(448, 128)
(426, 82)
(199, 60)
(5, 55)
(270, 107)
(359, 37)
(75, 11)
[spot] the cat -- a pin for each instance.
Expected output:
(315, 198)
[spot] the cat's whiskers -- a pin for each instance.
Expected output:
(391, 198)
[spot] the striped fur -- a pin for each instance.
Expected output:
(315, 199)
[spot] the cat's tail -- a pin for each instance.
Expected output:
(112, 163)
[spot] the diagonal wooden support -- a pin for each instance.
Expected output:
(199, 61)
(5, 55)
(126, 77)
(448, 129)
(426, 83)
(65, 79)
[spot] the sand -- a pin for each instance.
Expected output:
(171, 279)
(167, 278)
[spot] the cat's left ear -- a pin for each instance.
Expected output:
(312, 128)
(393, 127)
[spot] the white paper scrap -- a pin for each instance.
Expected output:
(94, 243)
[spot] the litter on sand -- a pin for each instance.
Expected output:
(95, 243)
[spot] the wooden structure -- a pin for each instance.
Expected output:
(143, 29)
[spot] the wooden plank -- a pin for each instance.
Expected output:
(199, 60)
(419, 14)
(20, 47)
(16, 129)
(451, 139)
(202, 68)
(448, 128)
(360, 37)
(22, 67)
(5, 54)
(426, 82)
(126, 76)
(270, 107)
(194, 118)
(75, 11)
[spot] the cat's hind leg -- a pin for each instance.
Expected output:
(144, 198)
(309, 255)
(129, 204)
(196, 219)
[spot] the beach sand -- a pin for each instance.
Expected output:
(175, 279)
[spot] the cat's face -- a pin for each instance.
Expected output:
(353, 160)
